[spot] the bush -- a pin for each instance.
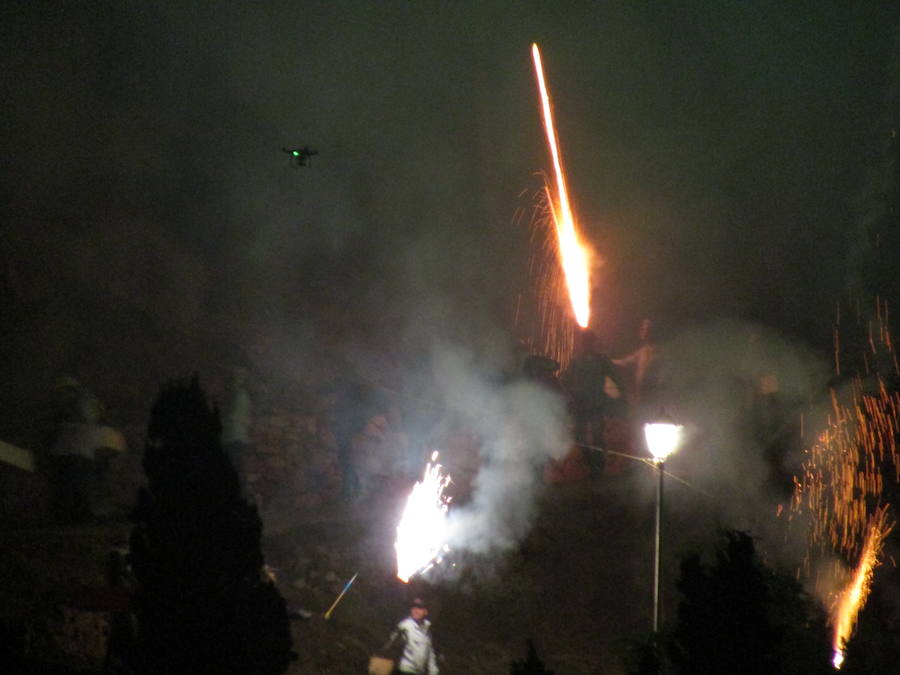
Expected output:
(738, 616)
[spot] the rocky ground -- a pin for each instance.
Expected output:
(579, 585)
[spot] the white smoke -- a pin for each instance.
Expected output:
(742, 389)
(520, 426)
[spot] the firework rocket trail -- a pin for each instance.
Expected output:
(574, 256)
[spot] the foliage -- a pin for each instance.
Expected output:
(202, 602)
(738, 616)
(530, 665)
(641, 657)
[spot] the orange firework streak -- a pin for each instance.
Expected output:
(854, 596)
(574, 256)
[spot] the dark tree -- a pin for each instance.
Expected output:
(202, 603)
(738, 616)
(531, 665)
(642, 658)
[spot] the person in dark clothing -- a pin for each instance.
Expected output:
(595, 390)
(544, 371)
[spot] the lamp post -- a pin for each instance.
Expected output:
(663, 437)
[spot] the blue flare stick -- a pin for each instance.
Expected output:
(338, 599)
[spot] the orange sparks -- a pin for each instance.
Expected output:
(846, 467)
(854, 596)
(574, 255)
(547, 323)
(844, 473)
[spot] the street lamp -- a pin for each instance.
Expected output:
(663, 437)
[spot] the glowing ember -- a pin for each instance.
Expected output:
(838, 659)
(421, 534)
(574, 256)
(854, 596)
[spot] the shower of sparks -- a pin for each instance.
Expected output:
(842, 480)
(845, 469)
(546, 317)
(843, 475)
(422, 532)
(853, 597)
(573, 254)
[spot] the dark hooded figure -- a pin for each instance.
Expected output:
(595, 391)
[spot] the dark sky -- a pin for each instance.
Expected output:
(717, 155)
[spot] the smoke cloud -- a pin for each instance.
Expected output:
(519, 426)
(741, 390)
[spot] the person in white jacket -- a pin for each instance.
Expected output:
(413, 635)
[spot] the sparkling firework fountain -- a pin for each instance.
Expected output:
(422, 532)
(574, 256)
(843, 479)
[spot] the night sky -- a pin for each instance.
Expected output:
(718, 154)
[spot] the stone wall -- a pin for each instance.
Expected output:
(292, 458)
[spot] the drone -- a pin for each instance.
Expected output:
(300, 156)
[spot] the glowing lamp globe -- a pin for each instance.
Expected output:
(663, 439)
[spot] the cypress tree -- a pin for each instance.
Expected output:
(202, 602)
(530, 665)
